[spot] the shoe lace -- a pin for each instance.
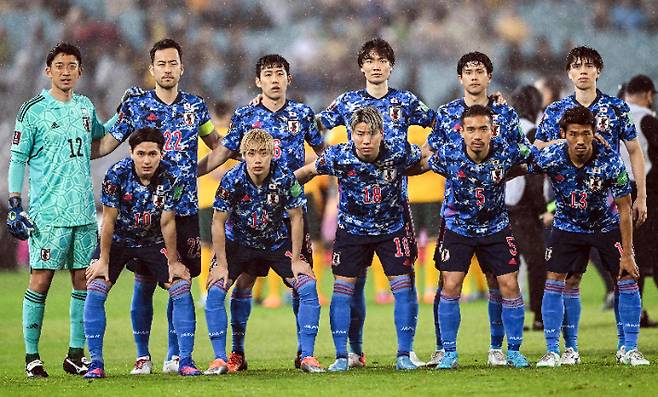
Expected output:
(498, 355)
(547, 357)
(140, 363)
(636, 354)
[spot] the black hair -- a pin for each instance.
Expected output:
(527, 101)
(63, 48)
(146, 135)
(378, 46)
(163, 45)
(474, 57)
(585, 54)
(476, 110)
(272, 61)
(221, 108)
(640, 84)
(577, 115)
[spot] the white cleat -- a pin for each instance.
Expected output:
(435, 358)
(496, 358)
(570, 357)
(415, 360)
(634, 358)
(143, 366)
(549, 360)
(171, 366)
(356, 361)
(620, 354)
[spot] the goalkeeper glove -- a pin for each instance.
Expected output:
(19, 223)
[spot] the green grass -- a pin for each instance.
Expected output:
(271, 346)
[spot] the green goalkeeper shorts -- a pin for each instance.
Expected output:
(62, 248)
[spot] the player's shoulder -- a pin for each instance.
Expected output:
(246, 110)
(402, 94)
(188, 97)
(121, 168)
(614, 102)
(559, 106)
(503, 109)
(300, 108)
(31, 106)
(454, 107)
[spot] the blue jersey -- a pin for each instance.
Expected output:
(474, 204)
(182, 123)
(290, 126)
(370, 200)
(613, 120)
(257, 213)
(582, 194)
(140, 207)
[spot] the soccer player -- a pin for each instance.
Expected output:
(614, 125)
(370, 220)
(139, 221)
(584, 173)
(251, 235)
(53, 137)
(182, 118)
(475, 71)
(291, 124)
(399, 109)
(477, 222)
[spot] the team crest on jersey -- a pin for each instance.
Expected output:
(17, 137)
(273, 199)
(495, 126)
(222, 193)
(594, 183)
(45, 254)
(158, 197)
(548, 253)
(389, 174)
(335, 259)
(602, 123)
(189, 118)
(497, 175)
(293, 126)
(86, 120)
(395, 112)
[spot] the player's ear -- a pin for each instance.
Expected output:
(257, 82)
(151, 70)
(563, 134)
(48, 72)
(182, 69)
(289, 79)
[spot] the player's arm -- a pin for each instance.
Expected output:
(637, 165)
(219, 270)
(306, 173)
(627, 262)
(100, 268)
(219, 155)
(168, 229)
(423, 165)
(299, 266)
(104, 146)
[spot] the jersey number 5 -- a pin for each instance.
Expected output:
(479, 196)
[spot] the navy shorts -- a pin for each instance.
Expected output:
(352, 253)
(151, 258)
(568, 252)
(496, 253)
(257, 262)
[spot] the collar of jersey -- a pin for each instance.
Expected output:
(179, 97)
(285, 105)
(599, 94)
(365, 93)
(52, 100)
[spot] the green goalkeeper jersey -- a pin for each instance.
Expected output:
(54, 139)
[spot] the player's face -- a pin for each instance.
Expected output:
(146, 156)
(376, 69)
(258, 160)
(583, 74)
(477, 133)
(474, 78)
(166, 68)
(367, 142)
(579, 138)
(273, 82)
(64, 72)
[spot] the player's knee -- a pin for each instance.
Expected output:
(492, 281)
(306, 288)
(452, 286)
(573, 281)
(245, 281)
(40, 281)
(556, 276)
(508, 285)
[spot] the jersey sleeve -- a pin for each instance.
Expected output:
(97, 127)
(413, 155)
(437, 136)
(21, 146)
(516, 130)
(548, 128)
(235, 133)
(312, 133)
(174, 193)
(620, 185)
(111, 190)
(205, 123)
(223, 195)
(325, 163)
(124, 125)
(438, 163)
(294, 193)
(331, 116)
(421, 114)
(628, 131)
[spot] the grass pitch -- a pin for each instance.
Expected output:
(270, 348)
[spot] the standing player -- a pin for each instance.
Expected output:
(182, 118)
(251, 235)
(477, 222)
(370, 220)
(53, 136)
(291, 124)
(584, 174)
(399, 109)
(614, 125)
(139, 221)
(474, 71)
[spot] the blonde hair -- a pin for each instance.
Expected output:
(370, 116)
(259, 138)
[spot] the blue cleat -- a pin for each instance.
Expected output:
(449, 361)
(517, 360)
(188, 368)
(340, 365)
(404, 363)
(95, 371)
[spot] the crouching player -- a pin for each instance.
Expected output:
(584, 173)
(139, 195)
(370, 220)
(250, 235)
(476, 221)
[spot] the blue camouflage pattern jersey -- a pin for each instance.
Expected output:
(290, 126)
(182, 123)
(582, 194)
(140, 207)
(613, 119)
(370, 200)
(256, 214)
(474, 204)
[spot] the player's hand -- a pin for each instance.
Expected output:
(547, 218)
(129, 93)
(602, 140)
(19, 223)
(498, 98)
(640, 211)
(219, 274)
(178, 270)
(97, 269)
(256, 100)
(627, 265)
(300, 266)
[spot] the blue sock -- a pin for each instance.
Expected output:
(496, 326)
(552, 311)
(308, 318)
(358, 316)
(295, 312)
(172, 339)
(339, 315)
(414, 309)
(449, 319)
(183, 317)
(94, 318)
(403, 312)
(620, 325)
(216, 319)
(240, 311)
(513, 317)
(437, 326)
(141, 312)
(571, 320)
(630, 310)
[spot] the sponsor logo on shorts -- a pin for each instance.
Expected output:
(445, 255)
(548, 254)
(335, 260)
